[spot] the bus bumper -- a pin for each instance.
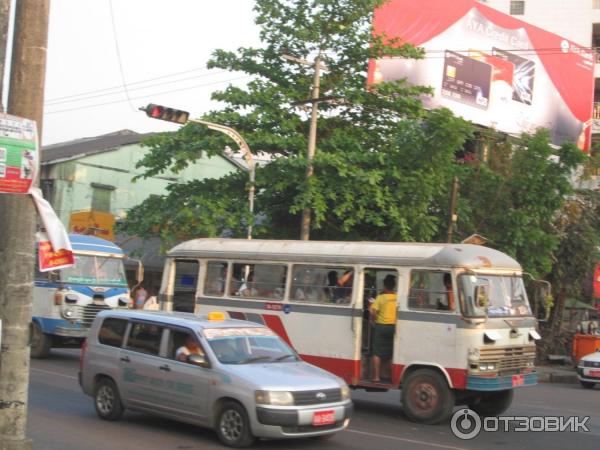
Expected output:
(71, 332)
(478, 383)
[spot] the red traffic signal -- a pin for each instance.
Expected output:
(164, 113)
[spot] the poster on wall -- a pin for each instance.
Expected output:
(490, 68)
(19, 154)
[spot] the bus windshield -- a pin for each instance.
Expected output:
(498, 296)
(95, 270)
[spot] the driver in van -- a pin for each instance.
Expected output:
(191, 347)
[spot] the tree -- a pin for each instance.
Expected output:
(383, 163)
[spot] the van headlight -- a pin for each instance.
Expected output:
(274, 398)
(345, 391)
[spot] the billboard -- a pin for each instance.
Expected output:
(490, 68)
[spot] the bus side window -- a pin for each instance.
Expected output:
(428, 291)
(265, 281)
(321, 284)
(216, 276)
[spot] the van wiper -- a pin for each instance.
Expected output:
(281, 358)
(254, 359)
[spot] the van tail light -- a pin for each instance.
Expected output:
(82, 354)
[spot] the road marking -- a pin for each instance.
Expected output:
(53, 373)
(412, 441)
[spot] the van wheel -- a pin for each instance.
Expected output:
(426, 397)
(587, 384)
(233, 426)
(107, 400)
(491, 404)
(41, 343)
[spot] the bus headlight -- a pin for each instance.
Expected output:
(68, 313)
(345, 391)
(486, 367)
(274, 398)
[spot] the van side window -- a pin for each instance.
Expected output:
(322, 284)
(145, 338)
(179, 339)
(266, 281)
(112, 332)
(428, 291)
(216, 276)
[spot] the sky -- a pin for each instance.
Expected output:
(158, 49)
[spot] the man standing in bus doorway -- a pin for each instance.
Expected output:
(383, 313)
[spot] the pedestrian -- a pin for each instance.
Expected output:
(140, 296)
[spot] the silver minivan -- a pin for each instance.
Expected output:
(240, 379)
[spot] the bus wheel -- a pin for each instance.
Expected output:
(587, 384)
(426, 397)
(40, 342)
(492, 403)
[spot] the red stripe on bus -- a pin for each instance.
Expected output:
(348, 369)
(275, 324)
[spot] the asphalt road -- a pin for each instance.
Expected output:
(62, 418)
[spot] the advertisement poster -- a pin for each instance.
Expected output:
(54, 247)
(19, 155)
(95, 223)
(491, 68)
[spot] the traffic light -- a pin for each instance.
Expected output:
(164, 113)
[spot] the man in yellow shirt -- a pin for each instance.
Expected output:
(383, 313)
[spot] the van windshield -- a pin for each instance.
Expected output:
(96, 271)
(504, 296)
(248, 346)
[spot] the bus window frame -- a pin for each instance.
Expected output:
(455, 311)
(229, 282)
(353, 299)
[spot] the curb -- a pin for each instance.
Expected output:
(557, 378)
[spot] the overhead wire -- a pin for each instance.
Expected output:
(116, 40)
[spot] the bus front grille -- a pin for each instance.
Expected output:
(89, 313)
(509, 359)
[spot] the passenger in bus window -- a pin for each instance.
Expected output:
(383, 314)
(345, 287)
(216, 277)
(448, 305)
(306, 290)
(247, 288)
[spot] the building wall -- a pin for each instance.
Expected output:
(571, 19)
(73, 181)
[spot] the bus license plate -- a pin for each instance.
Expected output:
(518, 380)
(323, 418)
(594, 373)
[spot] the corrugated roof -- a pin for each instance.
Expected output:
(65, 151)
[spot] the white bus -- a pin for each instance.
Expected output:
(66, 301)
(315, 295)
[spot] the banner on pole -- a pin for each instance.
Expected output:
(19, 154)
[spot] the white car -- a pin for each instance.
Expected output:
(588, 370)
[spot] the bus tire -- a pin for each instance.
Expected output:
(233, 426)
(107, 400)
(41, 343)
(491, 404)
(426, 397)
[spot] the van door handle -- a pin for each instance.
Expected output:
(165, 368)
(125, 358)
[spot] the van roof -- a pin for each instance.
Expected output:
(393, 253)
(179, 318)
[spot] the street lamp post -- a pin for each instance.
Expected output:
(243, 146)
(182, 117)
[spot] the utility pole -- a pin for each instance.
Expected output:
(4, 19)
(312, 135)
(17, 226)
(452, 218)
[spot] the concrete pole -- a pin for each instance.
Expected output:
(4, 19)
(312, 143)
(452, 219)
(17, 225)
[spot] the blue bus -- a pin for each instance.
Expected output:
(66, 301)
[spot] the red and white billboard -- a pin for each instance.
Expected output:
(490, 68)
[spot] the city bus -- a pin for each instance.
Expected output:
(66, 301)
(470, 351)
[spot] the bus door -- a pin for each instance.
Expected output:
(184, 286)
(373, 285)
